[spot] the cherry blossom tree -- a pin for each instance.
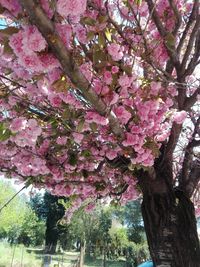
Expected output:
(100, 98)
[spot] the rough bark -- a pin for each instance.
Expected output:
(171, 230)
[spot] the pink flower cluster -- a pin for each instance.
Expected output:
(92, 116)
(27, 131)
(28, 164)
(26, 43)
(71, 7)
(116, 51)
(12, 5)
(180, 116)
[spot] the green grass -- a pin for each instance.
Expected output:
(99, 263)
(24, 257)
(28, 257)
(18, 254)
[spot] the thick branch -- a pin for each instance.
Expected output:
(190, 101)
(173, 139)
(46, 27)
(193, 180)
(171, 52)
(188, 162)
(195, 58)
(190, 45)
(192, 17)
(177, 15)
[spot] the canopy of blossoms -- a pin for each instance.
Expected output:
(86, 91)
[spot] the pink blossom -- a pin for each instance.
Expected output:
(61, 140)
(33, 41)
(12, 5)
(78, 137)
(130, 140)
(86, 69)
(155, 88)
(65, 32)
(15, 42)
(81, 33)
(180, 116)
(18, 124)
(122, 114)
(92, 116)
(46, 6)
(105, 90)
(49, 62)
(55, 100)
(125, 81)
(111, 154)
(107, 77)
(71, 7)
(90, 207)
(114, 69)
(31, 62)
(115, 51)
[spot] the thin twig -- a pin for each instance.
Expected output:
(6, 204)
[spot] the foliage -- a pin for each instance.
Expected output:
(32, 230)
(13, 215)
(18, 223)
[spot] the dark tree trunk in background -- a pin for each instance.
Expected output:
(51, 237)
(55, 213)
(169, 221)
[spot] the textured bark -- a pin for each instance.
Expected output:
(171, 230)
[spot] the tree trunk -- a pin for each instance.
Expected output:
(51, 239)
(82, 253)
(171, 230)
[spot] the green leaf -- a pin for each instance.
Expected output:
(102, 19)
(152, 145)
(88, 21)
(73, 158)
(90, 36)
(101, 40)
(170, 41)
(108, 35)
(80, 125)
(86, 153)
(93, 126)
(4, 132)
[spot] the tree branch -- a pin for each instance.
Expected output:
(8, 202)
(177, 15)
(171, 52)
(189, 23)
(193, 180)
(190, 45)
(190, 101)
(46, 27)
(187, 169)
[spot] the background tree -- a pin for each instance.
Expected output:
(100, 98)
(49, 209)
(18, 223)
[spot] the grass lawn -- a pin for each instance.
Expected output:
(20, 256)
(99, 263)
